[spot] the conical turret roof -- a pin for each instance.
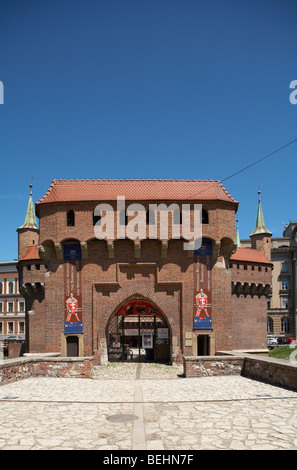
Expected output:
(30, 220)
(260, 224)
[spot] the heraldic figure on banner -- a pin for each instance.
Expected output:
(201, 304)
(72, 309)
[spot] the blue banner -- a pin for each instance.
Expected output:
(72, 252)
(204, 323)
(205, 249)
(73, 327)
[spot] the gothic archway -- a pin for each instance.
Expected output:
(138, 331)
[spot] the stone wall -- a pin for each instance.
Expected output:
(275, 371)
(206, 366)
(22, 368)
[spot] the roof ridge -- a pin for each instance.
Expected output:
(99, 189)
(135, 179)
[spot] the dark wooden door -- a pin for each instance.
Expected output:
(72, 346)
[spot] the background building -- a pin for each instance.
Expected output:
(12, 304)
(282, 304)
(282, 299)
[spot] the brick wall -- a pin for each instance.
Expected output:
(12, 370)
(53, 218)
(249, 306)
(15, 348)
(212, 366)
(166, 277)
(275, 371)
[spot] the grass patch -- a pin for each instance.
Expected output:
(282, 352)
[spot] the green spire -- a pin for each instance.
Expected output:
(237, 235)
(260, 224)
(30, 220)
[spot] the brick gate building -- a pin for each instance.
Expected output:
(117, 298)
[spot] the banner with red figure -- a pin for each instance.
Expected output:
(72, 290)
(202, 282)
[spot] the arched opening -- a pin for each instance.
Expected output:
(138, 331)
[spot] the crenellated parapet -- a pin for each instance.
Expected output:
(32, 289)
(252, 289)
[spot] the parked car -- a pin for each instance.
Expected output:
(15, 337)
(290, 340)
(272, 341)
(282, 340)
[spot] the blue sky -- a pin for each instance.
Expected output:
(183, 89)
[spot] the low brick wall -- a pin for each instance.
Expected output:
(275, 371)
(205, 366)
(14, 348)
(22, 368)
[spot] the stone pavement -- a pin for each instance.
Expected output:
(146, 406)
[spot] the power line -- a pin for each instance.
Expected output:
(260, 160)
(248, 166)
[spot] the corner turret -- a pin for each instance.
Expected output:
(28, 233)
(261, 237)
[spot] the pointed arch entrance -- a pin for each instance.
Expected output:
(138, 331)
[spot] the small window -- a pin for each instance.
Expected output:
(204, 216)
(37, 266)
(10, 287)
(10, 307)
(1, 288)
(284, 267)
(150, 217)
(245, 267)
(284, 284)
(96, 219)
(70, 219)
(177, 217)
(269, 325)
(10, 327)
(285, 302)
(21, 307)
(285, 325)
(123, 218)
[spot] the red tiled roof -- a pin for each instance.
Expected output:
(249, 255)
(108, 190)
(32, 253)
